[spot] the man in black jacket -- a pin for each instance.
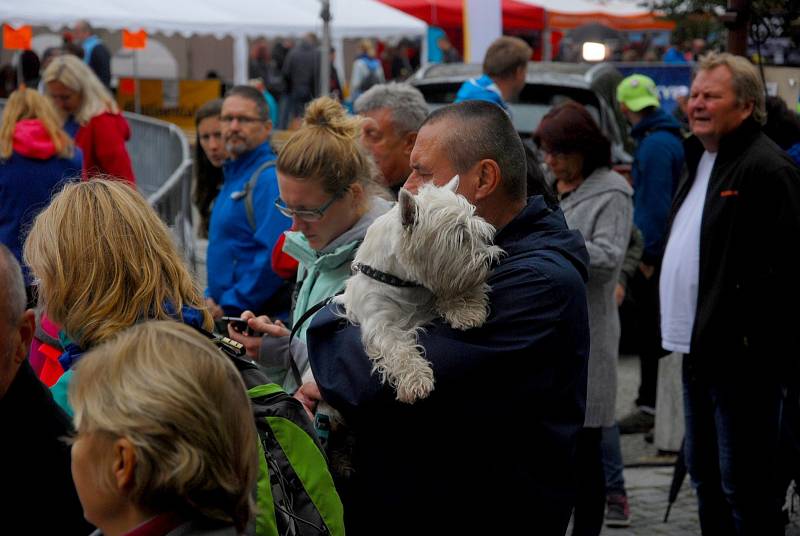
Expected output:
(728, 281)
(492, 450)
(36, 479)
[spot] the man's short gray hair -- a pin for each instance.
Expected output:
(254, 95)
(11, 280)
(406, 103)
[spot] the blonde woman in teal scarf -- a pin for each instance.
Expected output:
(326, 186)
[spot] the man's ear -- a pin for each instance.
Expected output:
(408, 208)
(488, 179)
(408, 142)
(124, 464)
(26, 328)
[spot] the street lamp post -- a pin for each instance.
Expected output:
(325, 52)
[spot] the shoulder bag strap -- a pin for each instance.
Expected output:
(300, 321)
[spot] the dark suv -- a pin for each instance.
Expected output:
(547, 84)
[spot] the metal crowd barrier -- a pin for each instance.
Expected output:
(162, 163)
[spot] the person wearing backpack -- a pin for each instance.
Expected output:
(244, 222)
(330, 215)
(367, 70)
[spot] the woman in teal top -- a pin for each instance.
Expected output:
(326, 186)
(105, 261)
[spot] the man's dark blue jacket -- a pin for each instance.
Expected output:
(657, 167)
(494, 444)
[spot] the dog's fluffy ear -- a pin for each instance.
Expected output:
(453, 184)
(408, 208)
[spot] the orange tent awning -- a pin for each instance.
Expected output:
(567, 21)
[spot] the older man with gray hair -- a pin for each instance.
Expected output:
(728, 283)
(393, 114)
(34, 459)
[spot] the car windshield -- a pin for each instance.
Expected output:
(534, 101)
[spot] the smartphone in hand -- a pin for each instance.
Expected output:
(240, 325)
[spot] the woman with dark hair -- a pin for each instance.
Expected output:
(598, 202)
(209, 155)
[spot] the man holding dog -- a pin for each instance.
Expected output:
(492, 447)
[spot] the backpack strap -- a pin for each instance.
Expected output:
(300, 321)
(249, 187)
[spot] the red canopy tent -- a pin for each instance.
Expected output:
(518, 17)
(448, 14)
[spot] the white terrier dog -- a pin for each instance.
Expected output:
(428, 257)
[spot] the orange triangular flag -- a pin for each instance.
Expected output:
(134, 39)
(17, 39)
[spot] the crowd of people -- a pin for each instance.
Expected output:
(520, 429)
(289, 72)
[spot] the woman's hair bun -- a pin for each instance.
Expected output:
(326, 113)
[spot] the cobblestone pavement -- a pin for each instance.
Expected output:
(648, 483)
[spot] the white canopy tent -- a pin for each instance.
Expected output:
(239, 19)
(612, 7)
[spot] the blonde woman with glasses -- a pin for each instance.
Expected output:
(91, 116)
(104, 262)
(166, 443)
(327, 187)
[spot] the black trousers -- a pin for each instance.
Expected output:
(590, 503)
(647, 339)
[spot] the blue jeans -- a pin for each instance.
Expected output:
(612, 461)
(732, 443)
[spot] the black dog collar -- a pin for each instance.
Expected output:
(383, 277)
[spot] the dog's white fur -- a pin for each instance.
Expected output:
(435, 239)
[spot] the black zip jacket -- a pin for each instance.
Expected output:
(749, 282)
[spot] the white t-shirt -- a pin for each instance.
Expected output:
(680, 268)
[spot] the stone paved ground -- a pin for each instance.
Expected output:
(648, 485)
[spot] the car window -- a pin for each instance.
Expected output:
(534, 102)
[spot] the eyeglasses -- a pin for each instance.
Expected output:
(244, 119)
(308, 214)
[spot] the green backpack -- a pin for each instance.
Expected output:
(295, 494)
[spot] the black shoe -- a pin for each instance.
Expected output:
(637, 422)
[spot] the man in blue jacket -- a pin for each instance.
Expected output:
(240, 241)
(95, 53)
(504, 68)
(657, 166)
(492, 450)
